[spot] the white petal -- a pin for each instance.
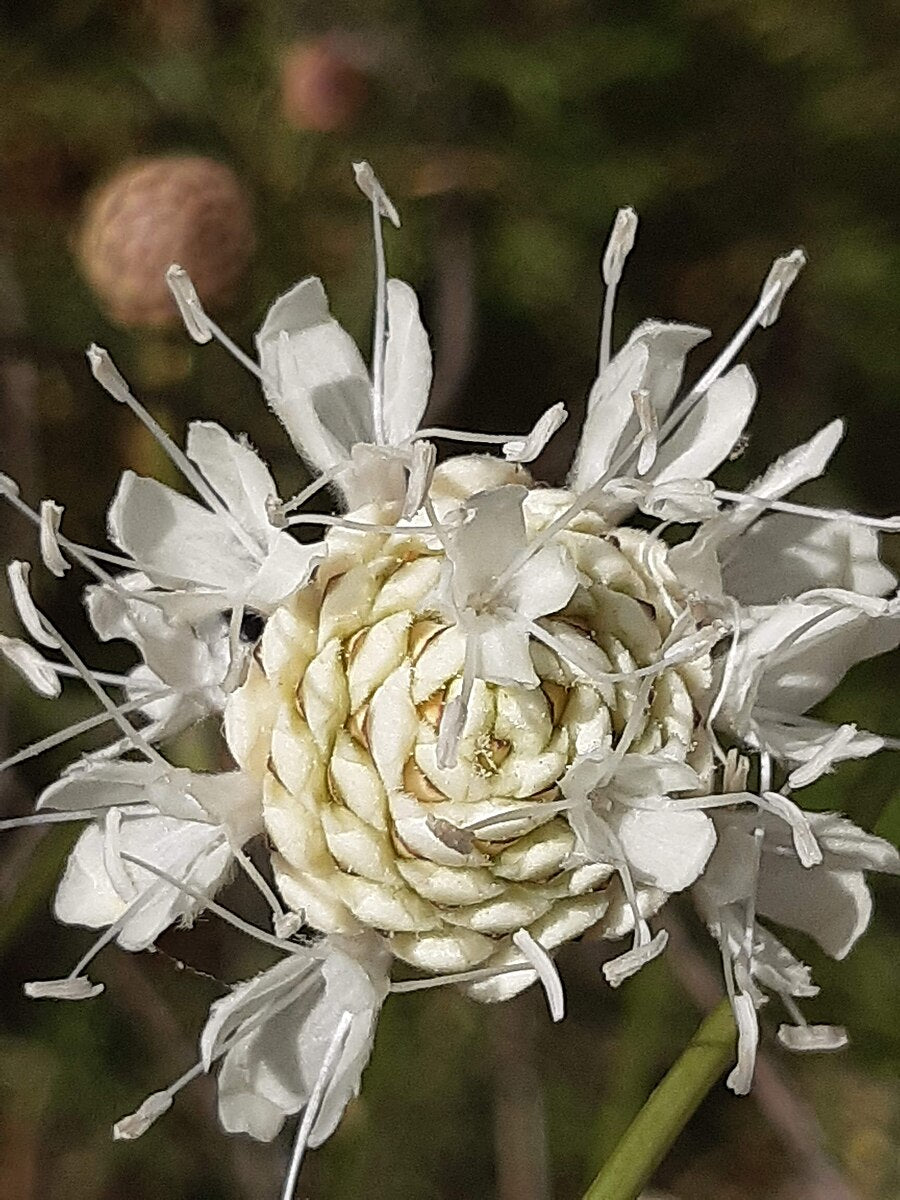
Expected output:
(801, 670)
(407, 365)
(850, 848)
(666, 849)
(289, 565)
(314, 377)
(488, 541)
(236, 472)
(833, 906)
(544, 585)
(708, 433)
(186, 850)
(32, 666)
(609, 411)
(248, 999)
(669, 344)
(784, 555)
(171, 536)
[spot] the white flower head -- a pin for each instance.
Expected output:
(475, 719)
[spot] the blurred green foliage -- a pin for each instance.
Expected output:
(507, 134)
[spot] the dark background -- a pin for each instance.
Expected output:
(507, 134)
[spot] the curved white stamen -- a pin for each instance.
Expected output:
(887, 524)
(155, 1105)
(381, 207)
(617, 970)
(200, 326)
(619, 246)
(546, 971)
(526, 449)
(238, 922)
(475, 976)
(17, 573)
(253, 874)
(728, 669)
(314, 1104)
(107, 375)
(82, 555)
(49, 538)
(115, 712)
(65, 735)
(808, 849)
(61, 818)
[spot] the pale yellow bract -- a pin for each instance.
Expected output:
(340, 714)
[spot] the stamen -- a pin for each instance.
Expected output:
(280, 511)
(453, 718)
(546, 971)
(823, 758)
(314, 1104)
(816, 1038)
(750, 907)
(621, 241)
(887, 524)
(61, 818)
(238, 922)
(17, 573)
(107, 375)
(781, 275)
(421, 472)
(112, 855)
(646, 415)
(475, 976)
(62, 989)
(617, 970)
(526, 450)
(200, 326)
(249, 867)
(546, 809)
(728, 670)
(741, 1076)
(360, 526)
(115, 713)
(37, 671)
(50, 518)
(808, 849)
(64, 735)
(82, 555)
(381, 207)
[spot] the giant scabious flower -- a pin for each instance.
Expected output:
(478, 717)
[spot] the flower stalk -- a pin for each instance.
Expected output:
(668, 1109)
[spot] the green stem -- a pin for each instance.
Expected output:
(667, 1110)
